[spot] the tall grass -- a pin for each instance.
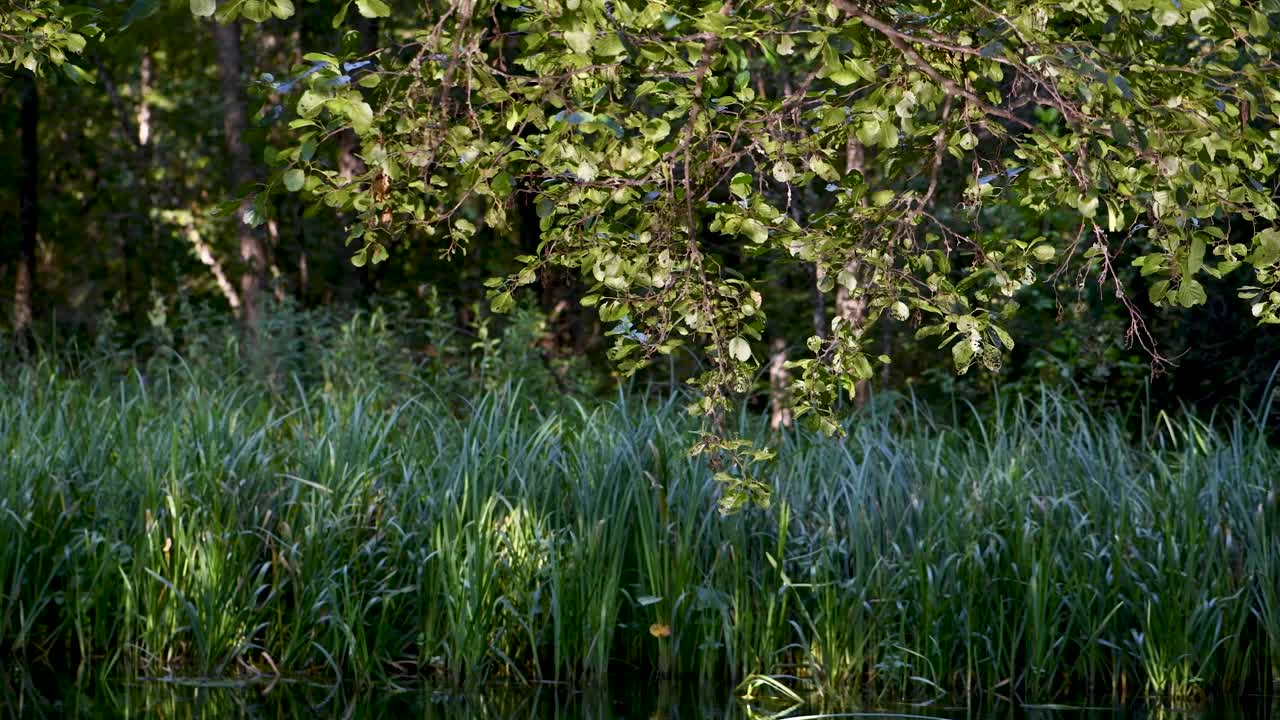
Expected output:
(182, 522)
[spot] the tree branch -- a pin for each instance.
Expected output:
(901, 41)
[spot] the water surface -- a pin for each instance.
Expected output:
(25, 695)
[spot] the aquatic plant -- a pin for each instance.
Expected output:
(180, 523)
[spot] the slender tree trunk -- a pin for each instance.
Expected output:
(135, 127)
(850, 306)
(28, 212)
(144, 110)
(253, 251)
(780, 412)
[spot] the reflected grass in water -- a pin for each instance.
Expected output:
(22, 696)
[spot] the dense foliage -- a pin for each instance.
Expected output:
(814, 132)
(910, 174)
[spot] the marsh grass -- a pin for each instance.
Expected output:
(181, 521)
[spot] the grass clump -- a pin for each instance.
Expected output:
(184, 522)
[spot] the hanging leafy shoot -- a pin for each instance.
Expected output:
(640, 131)
(38, 33)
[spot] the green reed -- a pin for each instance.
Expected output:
(184, 522)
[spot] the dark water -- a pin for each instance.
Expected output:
(24, 696)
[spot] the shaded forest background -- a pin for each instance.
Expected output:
(116, 244)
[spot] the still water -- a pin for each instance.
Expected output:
(25, 696)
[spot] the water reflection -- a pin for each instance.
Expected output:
(24, 695)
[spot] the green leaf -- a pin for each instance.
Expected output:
(930, 330)
(823, 169)
(1191, 293)
(502, 303)
(361, 116)
(656, 129)
(294, 180)
(341, 15)
(254, 10)
(962, 353)
(323, 58)
(373, 8)
(579, 40)
(1044, 253)
(139, 10)
(310, 104)
(843, 77)
(1259, 26)
(609, 45)
(75, 74)
(1088, 207)
(783, 171)
(869, 131)
(1115, 217)
(203, 8)
(502, 184)
(740, 185)
(1005, 338)
(860, 367)
(1157, 291)
(1267, 251)
(1195, 256)
(864, 68)
(752, 228)
(739, 349)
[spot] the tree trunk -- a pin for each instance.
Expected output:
(144, 89)
(253, 251)
(28, 213)
(853, 307)
(780, 413)
(134, 251)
